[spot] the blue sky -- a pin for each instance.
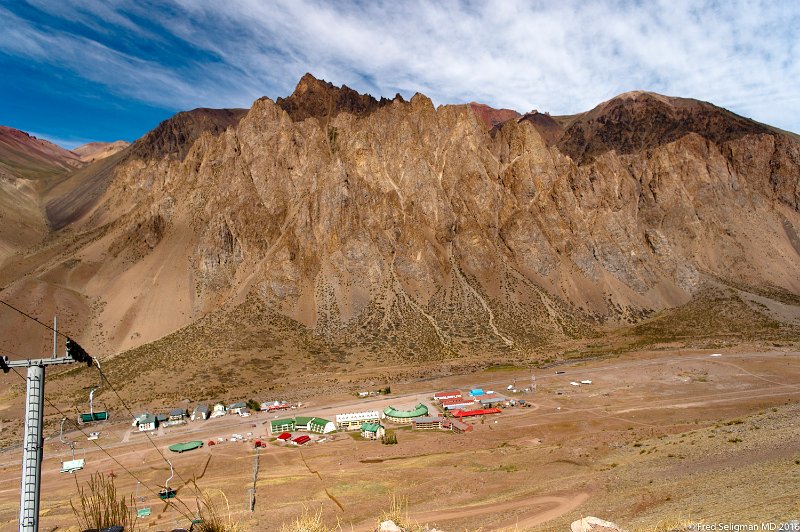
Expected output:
(75, 71)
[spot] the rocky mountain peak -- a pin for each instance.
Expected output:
(639, 120)
(321, 99)
(175, 135)
(492, 117)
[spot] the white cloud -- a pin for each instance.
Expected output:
(563, 57)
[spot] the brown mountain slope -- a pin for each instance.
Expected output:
(23, 155)
(636, 121)
(95, 151)
(413, 233)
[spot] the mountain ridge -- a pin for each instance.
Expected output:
(418, 232)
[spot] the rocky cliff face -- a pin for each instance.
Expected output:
(394, 225)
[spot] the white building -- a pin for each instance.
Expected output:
(218, 411)
(353, 420)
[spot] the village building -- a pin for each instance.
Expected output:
(472, 413)
(404, 417)
(428, 423)
(285, 436)
(177, 414)
(300, 440)
(146, 422)
(200, 412)
(459, 427)
(218, 410)
(236, 408)
(282, 425)
(452, 394)
(162, 418)
(372, 431)
(476, 392)
(321, 426)
(354, 420)
(452, 404)
(271, 406)
(489, 400)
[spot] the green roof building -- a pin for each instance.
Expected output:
(404, 416)
(372, 431)
(282, 425)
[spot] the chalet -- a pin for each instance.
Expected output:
(236, 408)
(354, 420)
(218, 411)
(372, 431)
(146, 422)
(177, 414)
(200, 412)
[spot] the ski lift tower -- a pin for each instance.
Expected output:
(32, 445)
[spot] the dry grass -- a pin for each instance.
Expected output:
(309, 521)
(100, 506)
(673, 523)
(215, 514)
(398, 513)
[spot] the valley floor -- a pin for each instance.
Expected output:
(656, 436)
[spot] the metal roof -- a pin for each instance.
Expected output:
(358, 416)
(428, 419)
(370, 427)
(419, 410)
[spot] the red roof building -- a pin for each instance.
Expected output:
(481, 412)
(285, 436)
(449, 404)
(300, 440)
(452, 394)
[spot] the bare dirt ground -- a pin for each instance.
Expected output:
(655, 436)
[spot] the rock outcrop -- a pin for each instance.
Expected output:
(416, 230)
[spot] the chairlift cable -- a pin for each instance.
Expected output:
(9, 305)
(125, 405)
(128, 471)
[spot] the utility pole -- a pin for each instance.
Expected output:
(33, 444)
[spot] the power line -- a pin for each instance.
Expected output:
(12, 307)
(187, 516)
(125, 405)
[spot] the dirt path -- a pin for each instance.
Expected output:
(559, 506)
(555, 507)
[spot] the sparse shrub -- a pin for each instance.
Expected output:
(101, 507)
(734, 440)
(398, 513)
(309, 522)
(253, 405)
(213, 518)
